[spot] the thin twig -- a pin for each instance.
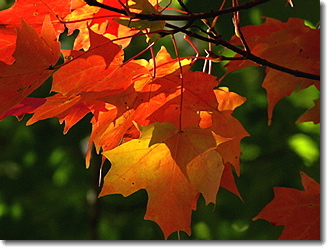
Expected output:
(238, 31)
(195, 16)
(182, 84)
(197, 53)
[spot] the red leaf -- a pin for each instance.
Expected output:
(292, 45)
(298, 211)
(20, 79)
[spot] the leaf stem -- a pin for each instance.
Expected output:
(182, 83)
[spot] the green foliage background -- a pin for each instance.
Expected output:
(47, 194)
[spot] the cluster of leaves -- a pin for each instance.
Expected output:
(164, 127)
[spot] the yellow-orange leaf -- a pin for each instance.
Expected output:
(172, 166)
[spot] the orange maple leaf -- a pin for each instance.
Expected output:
(298, 211)
(34, 58)
(172, 166)
(292, 45)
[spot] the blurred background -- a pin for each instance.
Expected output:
(48, 194)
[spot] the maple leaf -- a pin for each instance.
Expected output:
(20, 79)
(77, 90)
(189, 141)
(298, 211)
(172, 166)
(292, 45)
